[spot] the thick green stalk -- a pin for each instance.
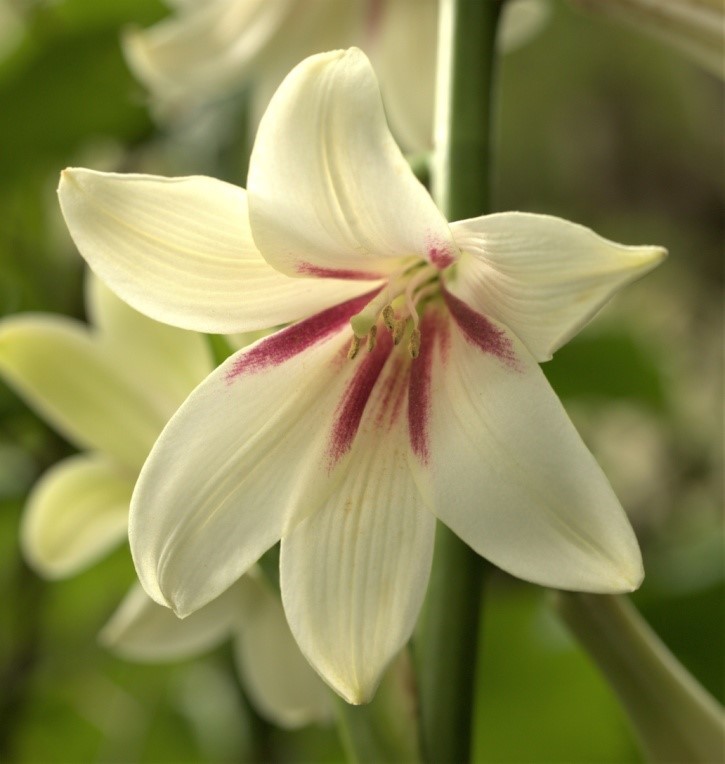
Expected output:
(446, 647)
(673, 716)
(447, 642)
(464, 97)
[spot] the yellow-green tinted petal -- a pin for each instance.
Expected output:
(73, 380)
(76, 513)
(171, 361)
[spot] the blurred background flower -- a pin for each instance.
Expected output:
(597, 123)
(693, 27)
(109, 388)
(207, 53)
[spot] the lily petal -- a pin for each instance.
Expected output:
(171, 361)
(179, 250)
(205, 50)
(75, 514)
(330, 193)
(141, 630)
(227, 473)
(405, 61)
(278, 679)
(508, 472)
(354, 574)
(79, 386)
(544, 277)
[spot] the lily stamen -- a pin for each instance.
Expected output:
(403, 283)
(354, 347)
(363, 321)
(389, 317)
(399, 330)
(372, 334)
(415, 286)
(414, 343)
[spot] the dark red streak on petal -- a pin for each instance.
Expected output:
(419, 386)
(287, 343)
(479, 331)
(395, 384)
(307, 269)
(441, 258)
(440, 253)
(355, 398)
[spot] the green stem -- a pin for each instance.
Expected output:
(447, 642)
(464, 98)
(446, 648)
(674, 716)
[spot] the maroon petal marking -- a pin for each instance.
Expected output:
(395, 386)
(355, 399)
(441, 258)
(308, 269)
(479, 331)
(432, 331)
(440, 253)
(287, 343)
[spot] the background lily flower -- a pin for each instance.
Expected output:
(408, 389)
(696, 28)
(208, 50)
(110, 389)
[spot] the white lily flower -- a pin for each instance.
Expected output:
(110, 389)
(209, 49)
(408, 388)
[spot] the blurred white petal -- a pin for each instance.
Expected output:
(76, 513)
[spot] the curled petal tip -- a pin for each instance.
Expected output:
(64, 177)
(68, 173)
(355, 694)
(634, 581)
(659, 254)
(627, 578)
(650, 258)
(181, 613)
(70, 176)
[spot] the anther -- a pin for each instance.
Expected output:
(389, 317)
(354, 347)
(414, 343)
(398, 331)
(372, 334)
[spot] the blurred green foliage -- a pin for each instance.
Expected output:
(597, 125)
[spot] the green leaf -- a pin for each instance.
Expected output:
(608, 364)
